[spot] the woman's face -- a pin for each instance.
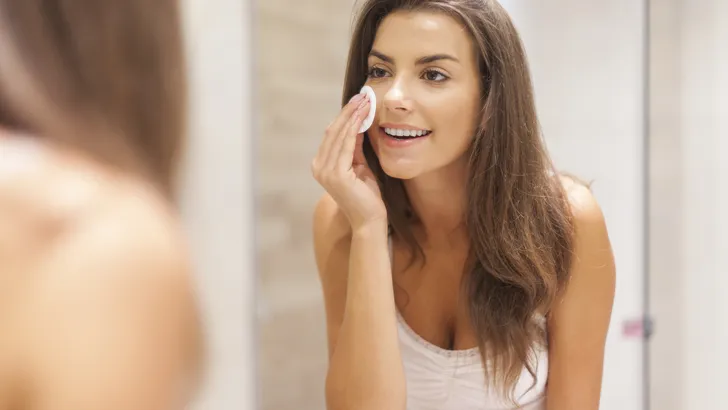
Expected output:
(423, 70)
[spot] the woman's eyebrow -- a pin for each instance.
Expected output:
(422, 60)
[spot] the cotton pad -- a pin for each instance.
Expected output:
(372, 108)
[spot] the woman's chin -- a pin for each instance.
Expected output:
(400, 171)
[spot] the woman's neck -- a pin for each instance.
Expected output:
(439, 200)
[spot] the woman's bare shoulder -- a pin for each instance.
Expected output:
(103, 264)
(580, 196)
(120, 286)
(73, 222)
(53, 201)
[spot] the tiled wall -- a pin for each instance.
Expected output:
(300, 58)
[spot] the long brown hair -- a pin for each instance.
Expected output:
(518, 219)
(104, 77)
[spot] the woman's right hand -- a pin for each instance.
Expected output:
(340, 167)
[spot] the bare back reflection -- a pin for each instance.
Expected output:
(96, 302)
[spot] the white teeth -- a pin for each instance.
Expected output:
(398, 132)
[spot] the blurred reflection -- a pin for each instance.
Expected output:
(97, 308)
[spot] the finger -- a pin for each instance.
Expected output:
(347, 130)
(348, 148)
(359, 157)
(334, 129)
(332, 162)
(346, 112)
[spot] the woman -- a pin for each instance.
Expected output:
(96, 304)
(458, 270)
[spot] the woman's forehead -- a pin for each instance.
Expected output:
(410, 35)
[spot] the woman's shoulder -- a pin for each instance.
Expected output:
(62, 216)
(584, 205)
(117, 283)
(53, 196)
(94, 254)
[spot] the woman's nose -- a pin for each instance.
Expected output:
(395, 98)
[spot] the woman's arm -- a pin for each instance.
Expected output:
(579, 321)
(365, 369)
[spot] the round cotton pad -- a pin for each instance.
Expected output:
(372, 108)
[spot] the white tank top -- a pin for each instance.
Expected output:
(441, 379)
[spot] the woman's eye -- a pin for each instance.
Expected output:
(376, 72)
(434, 75)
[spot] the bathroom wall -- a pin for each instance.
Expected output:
(703, 109)
(666, 207)
(300, 55)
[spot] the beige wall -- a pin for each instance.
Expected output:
(299, 61)
(666, 207)
(704, 177)
(689, 196)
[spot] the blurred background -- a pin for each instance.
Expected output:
(216, 198)
(631, 94)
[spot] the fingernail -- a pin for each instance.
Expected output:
(357, 97)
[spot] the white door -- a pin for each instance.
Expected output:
(587, 60)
